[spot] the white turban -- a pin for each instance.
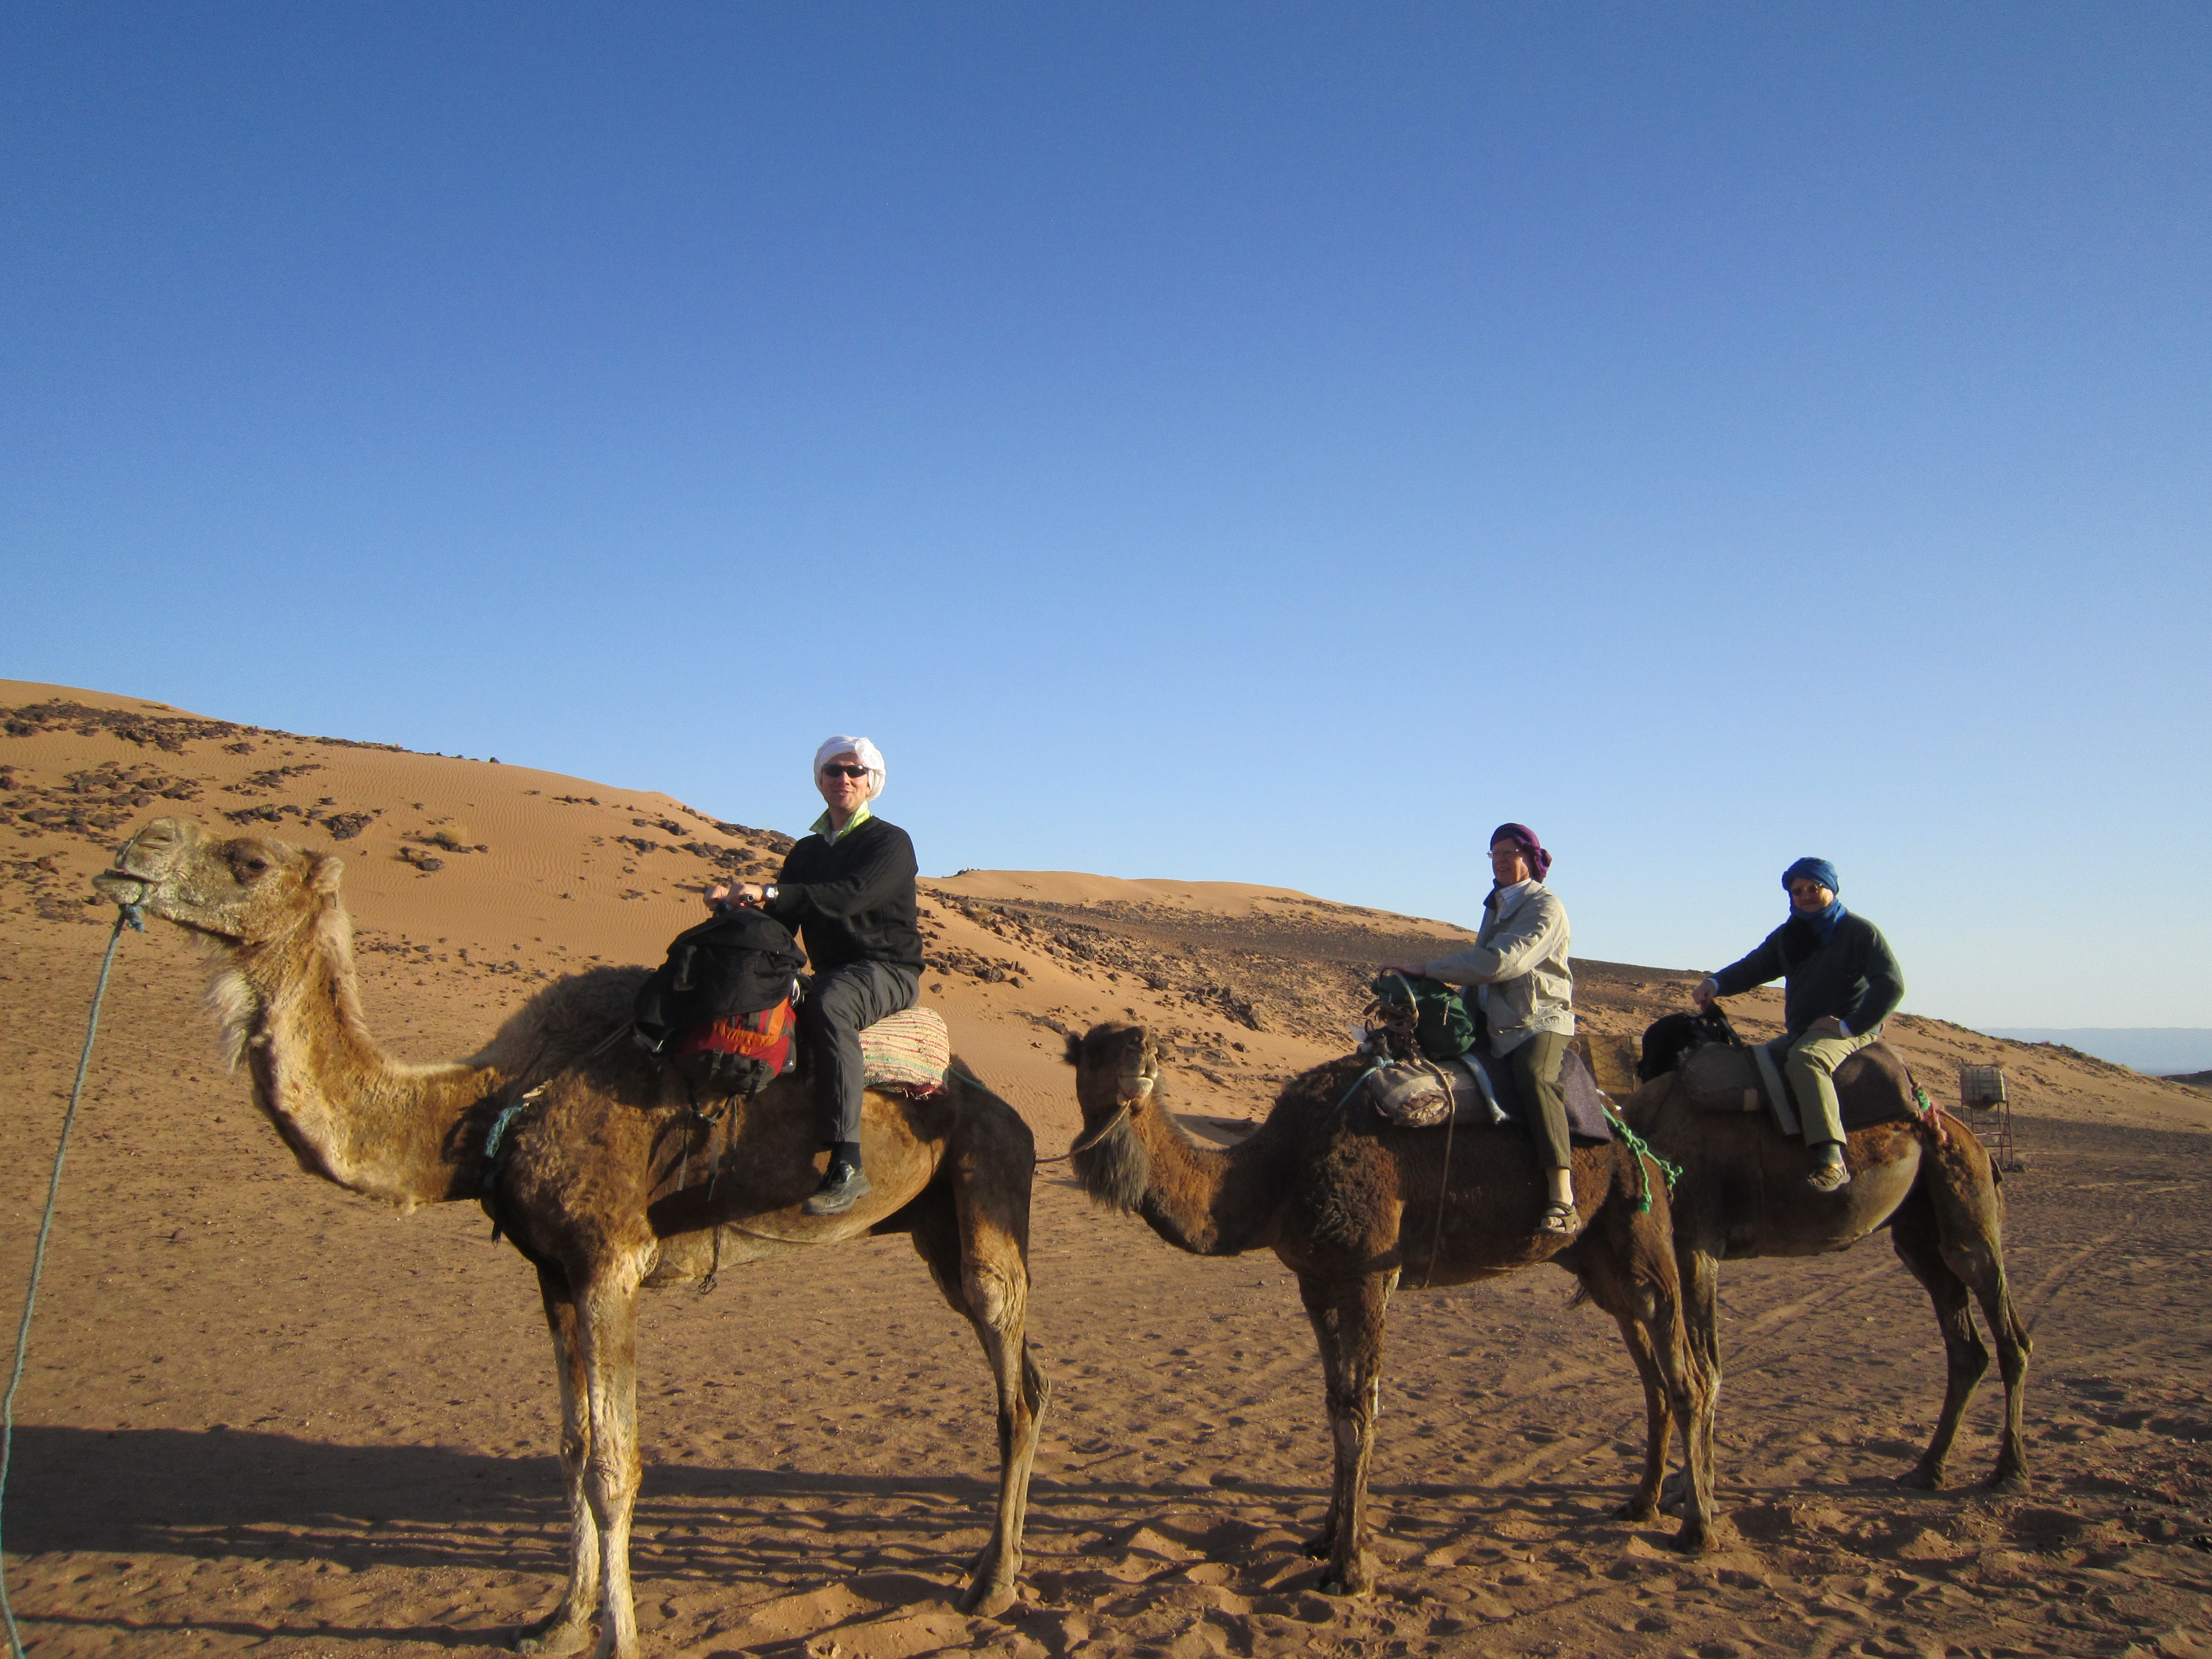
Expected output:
(861, 751)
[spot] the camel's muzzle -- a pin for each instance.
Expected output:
(142, 860)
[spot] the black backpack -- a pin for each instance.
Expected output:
(740, 962)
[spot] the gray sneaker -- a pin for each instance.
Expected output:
(841, 1189)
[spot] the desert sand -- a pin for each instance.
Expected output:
(262, 1415)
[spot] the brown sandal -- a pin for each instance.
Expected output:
(1829, 1177)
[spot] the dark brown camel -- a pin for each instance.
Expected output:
(608, 1179)
(1350, 1204)
(1742, 1194)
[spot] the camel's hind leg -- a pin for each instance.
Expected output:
(1347, 1317)
(1913, 1235)
(1962, 1191)
(568, 1626)
(976, 1240)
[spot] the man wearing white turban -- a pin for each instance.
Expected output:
(848, 891)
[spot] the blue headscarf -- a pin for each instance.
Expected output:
(1822, 922)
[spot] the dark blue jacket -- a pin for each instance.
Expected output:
(1854, 977)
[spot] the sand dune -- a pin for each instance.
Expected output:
(261, 1415)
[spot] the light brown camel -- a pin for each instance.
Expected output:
(607, 1179)
(1742, 1194)
(1350, 1204)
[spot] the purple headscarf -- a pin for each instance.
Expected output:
(1539, 861)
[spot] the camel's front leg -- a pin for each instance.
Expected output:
(1693, 1386)
(1698, 1274)
(568, 1626)
(1348, 1320)
(607, 1327)
(1600, 1276)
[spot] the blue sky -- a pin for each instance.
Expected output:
(1268, 443)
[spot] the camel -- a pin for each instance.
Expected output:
(1352, 1205)
(608, 1176)
(1742, 1194)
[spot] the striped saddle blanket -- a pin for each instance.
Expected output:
(907, 1052)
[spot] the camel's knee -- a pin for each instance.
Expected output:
(990, 1295)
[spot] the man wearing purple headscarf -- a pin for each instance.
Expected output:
(1526, 995)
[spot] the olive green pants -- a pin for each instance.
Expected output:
(1811, 1068)
(1536, 1066)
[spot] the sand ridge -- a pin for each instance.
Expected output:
(264, 1415)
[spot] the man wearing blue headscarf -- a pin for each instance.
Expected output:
(1840, 982)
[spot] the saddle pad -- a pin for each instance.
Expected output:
(1722, 1077)
(907, 1050)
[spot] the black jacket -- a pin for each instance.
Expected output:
(1854, 977)
(852, 902)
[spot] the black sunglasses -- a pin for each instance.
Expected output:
(834, 770)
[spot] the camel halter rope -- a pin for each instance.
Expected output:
(127, 915)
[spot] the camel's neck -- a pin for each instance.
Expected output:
(1203, 1200)
(290, 1008)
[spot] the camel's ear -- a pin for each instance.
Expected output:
(322, 875)
(1074, 1054)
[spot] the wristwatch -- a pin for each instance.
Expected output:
(768, 894)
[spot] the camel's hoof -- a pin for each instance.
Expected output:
(1320, 1548)
(1695, 1540)
(994, 1585)
(549, 1638)
(1343, 1586)
(1638, 1511)
(2011, 1483)
(1921, 1479)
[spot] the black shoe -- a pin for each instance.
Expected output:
(841, 1189)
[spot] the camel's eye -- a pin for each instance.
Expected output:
(252, 865)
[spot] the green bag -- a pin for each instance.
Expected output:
(1442, 1027)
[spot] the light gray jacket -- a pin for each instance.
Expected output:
(1520, 960)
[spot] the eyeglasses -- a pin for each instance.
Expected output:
(834, 770)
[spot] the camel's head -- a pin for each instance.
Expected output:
(1117, 1073)
(242, 891)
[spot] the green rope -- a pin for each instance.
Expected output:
(127, 916)
(1641, 1149)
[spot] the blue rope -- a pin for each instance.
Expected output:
(127, 915)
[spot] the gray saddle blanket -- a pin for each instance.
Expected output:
(1483, 1091)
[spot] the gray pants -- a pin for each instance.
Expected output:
(841, 1004)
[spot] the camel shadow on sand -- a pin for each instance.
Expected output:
(236, 1494)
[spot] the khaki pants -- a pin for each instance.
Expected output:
(1536, 1066)
(1810, 1067)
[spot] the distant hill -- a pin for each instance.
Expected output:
(471, 882)
(2153, 1050)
